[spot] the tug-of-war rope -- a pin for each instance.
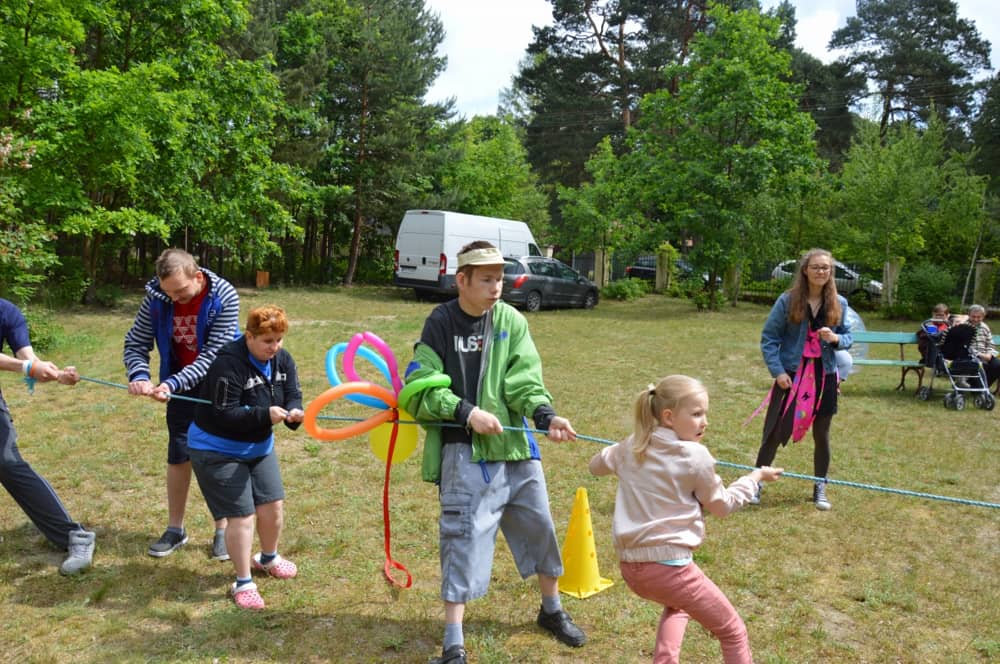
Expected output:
(392, 444)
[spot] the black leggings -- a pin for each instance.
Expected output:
(821, 448)
(778, 429)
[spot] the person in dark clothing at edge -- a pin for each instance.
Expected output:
(488, 476)
(29, 489)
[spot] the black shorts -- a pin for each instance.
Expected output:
(235, 487)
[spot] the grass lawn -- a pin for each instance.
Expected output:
(880, 578)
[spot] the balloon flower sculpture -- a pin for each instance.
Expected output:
(388, 441)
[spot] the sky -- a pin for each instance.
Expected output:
(486, 39)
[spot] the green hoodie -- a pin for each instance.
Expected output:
(510, 387)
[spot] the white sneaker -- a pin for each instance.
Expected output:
(81, 552)
(755, 498)
(819, 497)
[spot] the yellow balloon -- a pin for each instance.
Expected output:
(406, 439)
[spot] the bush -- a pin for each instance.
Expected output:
(44, 333)
(68, 283)
(920, 288)
(625, 289)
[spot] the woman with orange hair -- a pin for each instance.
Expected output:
(252, 385)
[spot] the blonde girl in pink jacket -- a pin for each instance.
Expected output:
(666, 480)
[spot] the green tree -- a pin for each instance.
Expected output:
(905, 198)
(375, 105)
(986, 136)
(152, 132)
(704, 158)
(490, 174)
(918, 54)
(585, 74)
(598, 214)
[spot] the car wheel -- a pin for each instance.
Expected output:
(533, 302)
(589, 300)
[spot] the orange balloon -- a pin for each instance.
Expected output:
(351, 430)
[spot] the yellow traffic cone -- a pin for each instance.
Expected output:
(581, 578)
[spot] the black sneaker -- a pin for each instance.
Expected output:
(562, 627)
(453, 655)
(168, 543)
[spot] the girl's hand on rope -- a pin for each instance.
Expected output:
(767, 474)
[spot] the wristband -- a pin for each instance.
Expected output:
(29, 380)
(26, 367)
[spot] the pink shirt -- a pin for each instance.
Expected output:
(658, 508)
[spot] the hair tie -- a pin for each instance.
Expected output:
(651, 388)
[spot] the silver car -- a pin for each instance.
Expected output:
(533, 282)
(849, 282)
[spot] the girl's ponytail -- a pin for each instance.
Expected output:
(652, 401)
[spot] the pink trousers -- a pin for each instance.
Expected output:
(686, 592)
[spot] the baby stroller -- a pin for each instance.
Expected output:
(963, 369)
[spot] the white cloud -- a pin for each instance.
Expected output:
(484, 42)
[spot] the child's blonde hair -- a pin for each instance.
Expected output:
(670, 392)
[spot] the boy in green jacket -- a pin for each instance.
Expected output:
(489, 476)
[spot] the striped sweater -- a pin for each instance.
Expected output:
(218, 324)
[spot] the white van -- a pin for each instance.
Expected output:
(429, 240)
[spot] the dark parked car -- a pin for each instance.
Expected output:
(533, 282)
(644, 267)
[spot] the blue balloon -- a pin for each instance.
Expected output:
(366, 353)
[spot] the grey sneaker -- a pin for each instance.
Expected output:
(819, 496)
(81, 552)
(167, 544)
(755, 498)
(219, 551)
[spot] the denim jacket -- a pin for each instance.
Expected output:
(781, 341)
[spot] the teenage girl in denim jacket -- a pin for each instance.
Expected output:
(806, 326)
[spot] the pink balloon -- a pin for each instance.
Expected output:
(383, 350)
(348, 359)
(387, 355)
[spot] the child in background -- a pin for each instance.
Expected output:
(929, 335)
(666, 478)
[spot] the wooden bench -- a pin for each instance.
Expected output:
(902, 339)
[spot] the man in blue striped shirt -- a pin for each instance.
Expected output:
(189, 313)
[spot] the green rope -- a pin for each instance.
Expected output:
(604, 441)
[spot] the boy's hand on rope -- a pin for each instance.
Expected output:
(560, 429)
(484, 423)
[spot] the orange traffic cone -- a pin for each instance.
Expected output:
(581, 578)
